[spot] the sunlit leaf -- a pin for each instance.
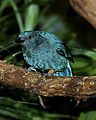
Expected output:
(31, 16)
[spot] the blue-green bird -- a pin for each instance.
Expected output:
(45, 52)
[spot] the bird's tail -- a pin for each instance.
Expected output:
(67, 72)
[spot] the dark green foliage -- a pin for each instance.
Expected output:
(58, 17)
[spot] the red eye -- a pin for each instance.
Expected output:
(29, 36)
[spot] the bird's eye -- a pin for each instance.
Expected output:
(29, 36)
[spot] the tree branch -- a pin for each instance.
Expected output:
(86, 8)
(79, 87)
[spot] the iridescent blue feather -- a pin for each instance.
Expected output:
(45, 51)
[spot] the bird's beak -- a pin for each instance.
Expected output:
(20, 39)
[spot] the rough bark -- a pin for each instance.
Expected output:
(80, 87)
(77, 86)
(86, 8)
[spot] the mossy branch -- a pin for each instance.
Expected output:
(78, 87)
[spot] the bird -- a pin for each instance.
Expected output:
(45, 52)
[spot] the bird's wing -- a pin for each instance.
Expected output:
(64, 51)
(61, 48)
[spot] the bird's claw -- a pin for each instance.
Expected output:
(30, 69)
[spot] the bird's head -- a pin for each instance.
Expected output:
(30, 40)
(26, 36)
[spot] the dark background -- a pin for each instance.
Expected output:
(58, 17)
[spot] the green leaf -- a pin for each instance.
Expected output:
(4, 4)
(31, 16)
(17, 14)
(88, 116)
(80, 63)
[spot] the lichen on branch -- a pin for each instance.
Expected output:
(78, 87)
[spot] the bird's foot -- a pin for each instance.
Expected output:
(30, 69)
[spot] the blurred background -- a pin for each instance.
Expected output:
(59, 18)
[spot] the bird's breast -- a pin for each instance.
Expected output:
(45, 58)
